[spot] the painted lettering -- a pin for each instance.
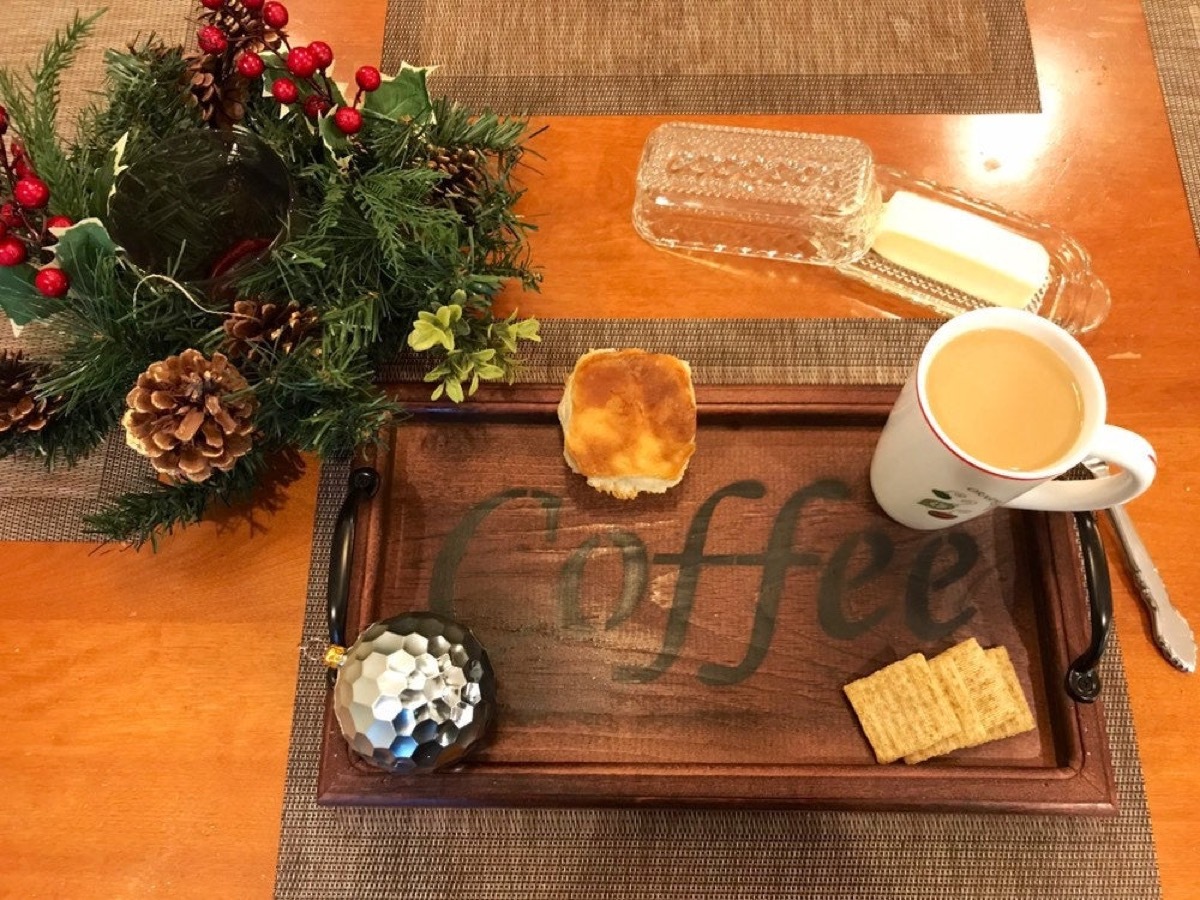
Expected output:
(835, 584)
(635, 575)
(441, 586)
(922, 583)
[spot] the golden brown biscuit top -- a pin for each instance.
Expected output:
(632, 414)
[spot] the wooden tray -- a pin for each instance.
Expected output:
(689, 649)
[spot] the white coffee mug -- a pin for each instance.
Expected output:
(922, 479)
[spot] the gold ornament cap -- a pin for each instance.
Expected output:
(334, 656)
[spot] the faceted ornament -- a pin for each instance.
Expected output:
(415, 693)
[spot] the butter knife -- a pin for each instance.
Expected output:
(1172, 633)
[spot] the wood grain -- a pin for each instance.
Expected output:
(691, 647)
(103, 801)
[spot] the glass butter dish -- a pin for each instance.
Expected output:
(776, 194)
(819, 199)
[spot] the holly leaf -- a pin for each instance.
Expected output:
(404, 95)
(18, 297)
(335, 141)
(80, 249)
(109, 188)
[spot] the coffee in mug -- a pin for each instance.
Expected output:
(1000, 404)
(1005, 399)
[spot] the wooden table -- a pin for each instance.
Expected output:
(148, 697)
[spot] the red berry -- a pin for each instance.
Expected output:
(368, 78)
(59, 222)
(250, 65)
(301, 63)
(3, 120)
(52, 282)
(348, 120)
(315, 105)
(212, 39)
(12, 251)
(322, 53)
(275, 14)
(22, 167)
(284, 90)
(31, 193)
(212, 4)
(9, 215)
(3, 230)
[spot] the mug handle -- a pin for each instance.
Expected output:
(1130, 452)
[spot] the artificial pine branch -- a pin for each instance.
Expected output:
(142, 517)
(323, 402)
(143, 104)
(411, 215)
(32, 103)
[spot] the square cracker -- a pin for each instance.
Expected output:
(1022, 718)
(902, 708)
(976, 691)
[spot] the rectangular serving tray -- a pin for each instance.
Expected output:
(689, 649)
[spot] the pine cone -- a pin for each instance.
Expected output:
(466, 176)
(215, 85)
(21, 409)
(190, 415)
(255, 325)
(219, 91)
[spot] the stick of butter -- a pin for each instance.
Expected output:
(965, 251)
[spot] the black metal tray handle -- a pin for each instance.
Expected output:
(1083, 677)
(363, 485)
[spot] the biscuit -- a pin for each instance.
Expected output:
(629, 421)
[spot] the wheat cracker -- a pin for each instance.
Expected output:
(1022, 718)
(977, 693)
(902, 709)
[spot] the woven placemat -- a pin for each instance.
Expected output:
(620, 854)
(37, 505)
(662, 57)
(726, 351)
(29, 24)
(1175, 38)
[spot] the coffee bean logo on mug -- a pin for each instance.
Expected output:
(1000, 404)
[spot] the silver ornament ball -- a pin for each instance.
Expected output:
(415, 693)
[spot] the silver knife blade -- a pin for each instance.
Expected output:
(1172, 634)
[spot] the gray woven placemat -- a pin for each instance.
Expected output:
(1175, 39)
(578, 57)
(625, 854)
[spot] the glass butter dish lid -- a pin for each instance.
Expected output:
(821, 199)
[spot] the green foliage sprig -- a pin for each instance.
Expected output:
(386, 250)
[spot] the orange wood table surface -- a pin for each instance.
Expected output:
(147, 698)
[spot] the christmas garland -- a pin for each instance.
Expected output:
(402, 230)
